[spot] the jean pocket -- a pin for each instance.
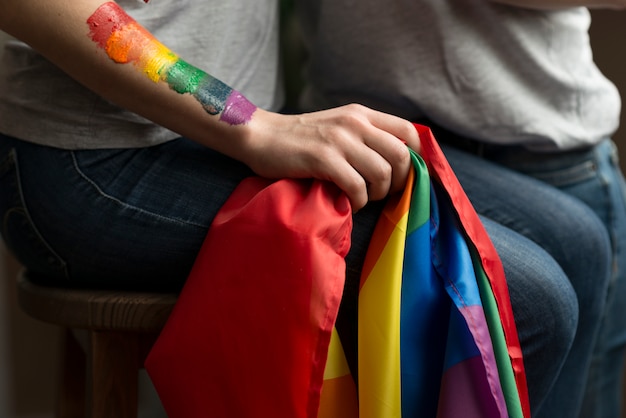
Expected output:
(18, 230)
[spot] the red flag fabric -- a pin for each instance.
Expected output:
(249, 334)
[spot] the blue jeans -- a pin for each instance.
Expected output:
(592, 182)
(135, 219)
(594, 177)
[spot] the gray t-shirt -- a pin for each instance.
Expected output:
(491, 72)
(235, 41)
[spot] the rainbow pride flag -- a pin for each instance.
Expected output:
(436, 335)
(252, 334)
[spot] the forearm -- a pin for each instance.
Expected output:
(127, 66)
(560, 4)
(99, 45)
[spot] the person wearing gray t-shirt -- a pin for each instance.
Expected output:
(512, 92)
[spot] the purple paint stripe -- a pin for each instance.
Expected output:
(465, 393)
(477, 323)
(237, 110)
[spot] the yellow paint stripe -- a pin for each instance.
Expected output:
(156, 59)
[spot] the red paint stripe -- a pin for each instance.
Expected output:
(105, 21)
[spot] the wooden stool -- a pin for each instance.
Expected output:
(116, 329)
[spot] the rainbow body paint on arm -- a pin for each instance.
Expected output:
(125, 41)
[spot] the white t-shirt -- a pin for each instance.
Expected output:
(491, 72)
(235, 41)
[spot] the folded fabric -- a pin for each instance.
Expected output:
(250, 335)
(436, 331)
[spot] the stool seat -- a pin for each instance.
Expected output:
(94, 309)
(108, 335)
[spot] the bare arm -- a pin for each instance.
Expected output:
(560, 4)
(355, 147)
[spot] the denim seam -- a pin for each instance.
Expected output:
(124, 204)
(13, 155)
(613, 163)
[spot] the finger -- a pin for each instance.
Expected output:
(373, 163)
(348, 179)
(395, 154)
(375, 169)
(398, 127)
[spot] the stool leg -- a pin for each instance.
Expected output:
(71, 401)
(114, 374)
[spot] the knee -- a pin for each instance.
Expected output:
(545, 304)
(577, 240)
(585, 256)
(545, 307)
(546, 312)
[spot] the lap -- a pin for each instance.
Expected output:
(561, 224)
(124, 218)
(140, 215)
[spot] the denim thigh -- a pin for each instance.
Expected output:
(594, 177)
(130, 218)
(126, 218)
